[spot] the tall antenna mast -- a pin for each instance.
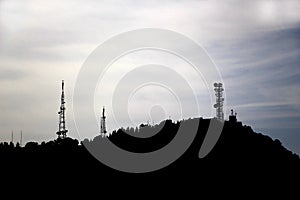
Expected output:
(62, 132)
(219, 101)
(103, 123)
(21, 138)
(12, 136)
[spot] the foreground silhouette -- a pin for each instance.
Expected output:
(239, 153)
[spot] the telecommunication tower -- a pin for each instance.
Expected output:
(62, 132)
(21, 138)
(12, 136)
(103, 123)
(219, 101)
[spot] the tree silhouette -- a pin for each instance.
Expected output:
(239, 150)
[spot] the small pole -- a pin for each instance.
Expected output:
(21, 138)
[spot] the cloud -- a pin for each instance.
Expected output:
(262, 104)
(12, 74)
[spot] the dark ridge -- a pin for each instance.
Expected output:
(237, 142)
(240, 154)
(128, 139)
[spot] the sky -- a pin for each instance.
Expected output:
(254, 44)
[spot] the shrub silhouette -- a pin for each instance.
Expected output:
(239, 150)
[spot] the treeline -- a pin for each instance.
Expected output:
(238, 145)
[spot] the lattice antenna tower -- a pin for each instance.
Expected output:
(62, 132)
(219, 101)
(103, 123)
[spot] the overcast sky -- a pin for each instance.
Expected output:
(254, 44)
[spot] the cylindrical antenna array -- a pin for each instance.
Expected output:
(219, 101)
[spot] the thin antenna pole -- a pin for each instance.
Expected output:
(21, 138)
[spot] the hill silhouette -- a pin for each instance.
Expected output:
(239, 152)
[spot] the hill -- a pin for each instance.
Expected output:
(239, 152)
